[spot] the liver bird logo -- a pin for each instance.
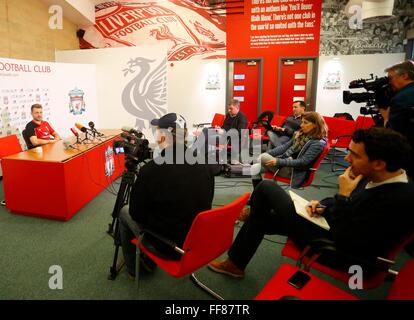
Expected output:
(164, 33)
(145, 96)
(205, 32)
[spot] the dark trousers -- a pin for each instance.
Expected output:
(271, 212)
(128, 230)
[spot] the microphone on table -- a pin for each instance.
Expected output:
(76, 134)
(83, 129)
(68, 144)
(93, 129)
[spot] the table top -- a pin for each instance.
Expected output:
(56, 152)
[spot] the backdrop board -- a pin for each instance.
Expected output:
(67, 93)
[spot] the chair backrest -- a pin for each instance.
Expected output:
(210, 235)
(278, 120)
(403, 286)
(316, 165)
(363, 122)
(218, 120)
(27, 140)
(9, 145)
(312, 170)
(339, 131)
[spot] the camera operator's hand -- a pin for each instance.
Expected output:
(348, 182)
(385, 113)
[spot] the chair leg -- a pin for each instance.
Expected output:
(204, 287)
(137, 267)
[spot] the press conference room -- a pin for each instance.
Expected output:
(206, 150)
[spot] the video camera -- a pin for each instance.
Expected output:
(136, 148)
(378, 95)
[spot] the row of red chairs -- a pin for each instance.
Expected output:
(200, 248)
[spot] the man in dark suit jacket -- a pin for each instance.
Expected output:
(367, 217)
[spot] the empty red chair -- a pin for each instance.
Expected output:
(339, 135)
(363, 122)
(210, 235)
(9, 145)
(278, 286)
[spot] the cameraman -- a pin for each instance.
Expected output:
(400, 115)
(166, 196)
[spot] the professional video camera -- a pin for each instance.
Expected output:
(136, 151)
(377, 97)
(136, 148)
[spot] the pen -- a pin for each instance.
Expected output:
(321, 206)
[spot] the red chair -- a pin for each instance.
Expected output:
(312, 171)
(363, 122)
(339, 135)
(9, 145)
(278, 120)
(210, 235)
(375, 279)
(316, 289)
(218, 120)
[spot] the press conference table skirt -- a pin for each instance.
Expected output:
(55, 182)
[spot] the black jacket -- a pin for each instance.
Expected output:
(166, 198)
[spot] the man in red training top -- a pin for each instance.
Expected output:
(39, 132)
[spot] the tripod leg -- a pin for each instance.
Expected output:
(115, 269)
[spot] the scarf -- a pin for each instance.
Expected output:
(298, 144)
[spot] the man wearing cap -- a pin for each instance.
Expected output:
(166, 196)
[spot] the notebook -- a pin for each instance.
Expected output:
(300, 206)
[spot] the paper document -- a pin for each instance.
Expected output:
(300, 206)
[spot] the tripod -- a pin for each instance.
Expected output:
(128, 178)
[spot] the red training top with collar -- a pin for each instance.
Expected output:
(42, 131)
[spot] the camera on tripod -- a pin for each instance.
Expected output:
(378, 95)
(135, 147)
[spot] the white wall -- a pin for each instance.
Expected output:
(329, 101)
(187, 93)
(186, 84)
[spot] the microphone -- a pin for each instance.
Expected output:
(68, 144)
(81, 127)
(75, 133)
(132, 130)
(93, 129)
